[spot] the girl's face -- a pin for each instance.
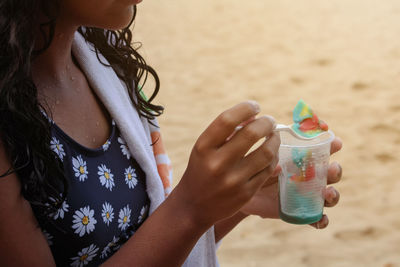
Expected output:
(106, 14)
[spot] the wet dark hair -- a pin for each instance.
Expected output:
(24, 131)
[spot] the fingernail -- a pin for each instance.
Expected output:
(339, 173)
(271, 119)
(255, 105)
(331, 196)
(326, 221)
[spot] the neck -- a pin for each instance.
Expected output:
(55, 65)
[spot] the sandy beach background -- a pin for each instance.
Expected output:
(340, 56)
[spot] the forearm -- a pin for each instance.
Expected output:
(165, 239)
(223, 227)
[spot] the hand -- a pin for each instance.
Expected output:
(265, 202)
(220, 178)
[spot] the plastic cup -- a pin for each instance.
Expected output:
(303, 178)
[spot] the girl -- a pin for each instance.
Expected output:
(84, 176)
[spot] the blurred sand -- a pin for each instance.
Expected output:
(340, 56)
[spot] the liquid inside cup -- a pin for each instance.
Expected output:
(303, 178)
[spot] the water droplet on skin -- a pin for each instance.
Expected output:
(72, 78)
(97, 123)
(68, 67)
(94, 140)
(57, 102)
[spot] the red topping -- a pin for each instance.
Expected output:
(310, 172)
(313, 123)
(323, 126)
(309, 124)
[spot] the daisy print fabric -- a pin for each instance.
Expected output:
(124, 147)
(84, 221)
(124, 217)
(106, 177)
(106, 145)
(85, 256)
(106, 201)
(107, 213)
(111, 247)
(61, 211)
(57, 147)
(80, 168)
(143, 214)
(130, 177)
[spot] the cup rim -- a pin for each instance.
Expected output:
(329, 140)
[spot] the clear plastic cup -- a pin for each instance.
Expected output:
(303, 178)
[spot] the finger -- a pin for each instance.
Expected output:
(274, 177)
(277, 170)
(245, 138)
(240, 127)
(336, 145)
(331, 196)
(265, 155)
(224, 125)
(258, 180)
(271, 181)
(321, 224)
(334, 173)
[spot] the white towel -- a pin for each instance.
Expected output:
(115, 98)
(136, 132)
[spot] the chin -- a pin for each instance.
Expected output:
(121, 21)
(112, 21)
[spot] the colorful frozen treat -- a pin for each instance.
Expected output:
(304, 167)
(306, 123)
(302, 158)
(298, 156)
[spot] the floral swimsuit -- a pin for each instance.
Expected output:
(106, 201)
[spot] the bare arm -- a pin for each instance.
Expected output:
(223, 227)
(21, 240)
(165, 239)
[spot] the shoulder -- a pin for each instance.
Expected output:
(10, 188)
(18, 223)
